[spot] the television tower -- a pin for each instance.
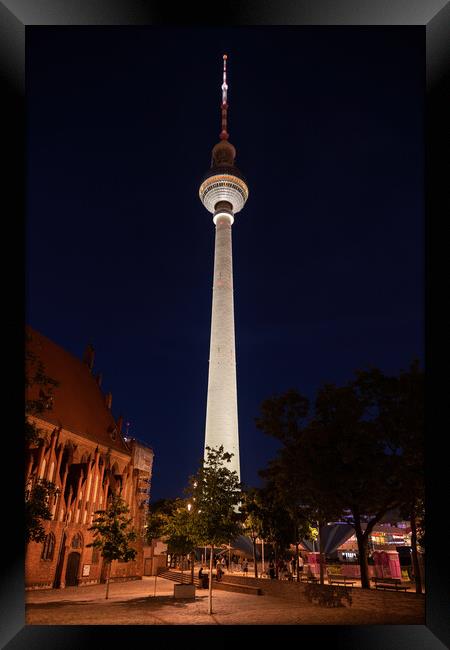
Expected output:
(223, 192)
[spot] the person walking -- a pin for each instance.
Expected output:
(293, 565)
(271, 570)
(219, 571)
(204, 579)
(245, 566)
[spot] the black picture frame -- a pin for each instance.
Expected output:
(14, 19)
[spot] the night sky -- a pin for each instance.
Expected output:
(328, 251)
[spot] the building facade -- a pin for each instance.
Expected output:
(83, 452)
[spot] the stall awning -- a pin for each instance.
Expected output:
(333, 536)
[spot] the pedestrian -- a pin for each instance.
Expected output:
(219, 572)
(271, 570)
(245, 566)
(223, 563)
(226, 562)
(293, 565)
(300, 564)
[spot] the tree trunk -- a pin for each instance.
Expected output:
(210, 580)
(362, 552)
(108, 574)
(296, 562)
(415, 558)
(276, 560)
(321, 555)
(254, 556)
(182, 572)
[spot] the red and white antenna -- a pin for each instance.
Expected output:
(224, 132)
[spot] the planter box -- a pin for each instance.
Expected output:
(183, 591)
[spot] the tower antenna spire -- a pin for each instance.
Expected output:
(224, 132)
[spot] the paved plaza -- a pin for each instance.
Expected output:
(139, 603)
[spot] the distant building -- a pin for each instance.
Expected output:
(83, 452)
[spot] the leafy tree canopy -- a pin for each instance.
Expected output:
(356, 455)
(214, 495)
(171, 520)
(37, 509)
(112, 532)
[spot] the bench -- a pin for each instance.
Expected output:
(309, 577)
(389, 583)
(336, 579)
(328, 596)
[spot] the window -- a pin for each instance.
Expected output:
(77, 541)
(48, 547)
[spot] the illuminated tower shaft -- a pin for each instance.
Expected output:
(223, 192)
(221, 407)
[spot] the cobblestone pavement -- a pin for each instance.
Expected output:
(138, 603)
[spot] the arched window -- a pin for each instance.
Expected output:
(48, 547)
(77, 541)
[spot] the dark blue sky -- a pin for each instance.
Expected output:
(328, 251)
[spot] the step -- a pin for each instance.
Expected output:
(239, 588)
(177, 577)
(224, 585)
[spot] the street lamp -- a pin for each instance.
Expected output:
(262, 554)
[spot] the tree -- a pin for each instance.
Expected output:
(292, 512)
(251, 510)
(277, 526)
(172, 521)
(112, 534)
(214, 493)
(398, 403)
(336, 458)
(38, 399)
(286, 418)
(37, 509)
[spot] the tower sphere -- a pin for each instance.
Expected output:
(224, 181)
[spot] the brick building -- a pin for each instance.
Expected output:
(83, 452)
